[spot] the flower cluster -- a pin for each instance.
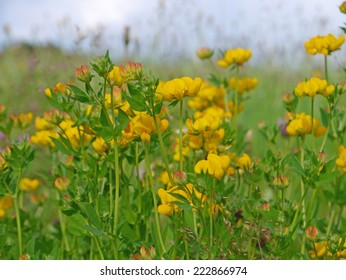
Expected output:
(234, 56)
(179, 88)
(313, 87)
(341, 160)
(214, 165)
(302, 124)
(243, 84)
(324, 44)
(170, 198)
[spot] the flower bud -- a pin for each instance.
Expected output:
(311, 232)
(342, 7)
(281, 182)
(288, 98)
(205, 53)
(62, 183)
(83, 74)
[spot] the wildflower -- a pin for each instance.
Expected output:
(314, 86)
(44, 138)
(132, 71)
(83, 74)
(179, 88)
(60, 88)
(22, 120)
(205, 53)
(147, 254)
(5, 204)
(311, 232)
(243, 162)
(27, 184)
(215, 165)
(115, 78)
(42, 124)
(243, 84)
(48, 92)
(324, 44)
(342, 7)
(169, 202)
(302, 124)
(341, 160)
(62, 183)
(281, 182)
(288, 98)
(234, 56)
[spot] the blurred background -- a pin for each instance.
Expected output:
(161, 29)
(42, 42)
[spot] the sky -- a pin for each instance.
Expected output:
(166, 28)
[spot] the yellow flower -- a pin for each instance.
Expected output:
(215, 165)
(324, 44)
(168, 206)
(234, 56)
(341, 160)
(179, 88)
(27, 184)
(243, 84)
(115, 78)
(5, 204)
(342, 7)
(44, 138)
(314, 86)
(244, 162)
(42, 124)
(300, 125)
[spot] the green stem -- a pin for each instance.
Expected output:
(302, 191)
(17, 210)
(311, 204)
(98, 246)
(331, 220)
(63, 231)
(211, 226)
(312, 125)
(326, 68)
(147, 164)
(181, 135)
(19, 227)
(117, 190)
(163, 148)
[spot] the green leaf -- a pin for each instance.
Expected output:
(89, 212)
(295, 163)
(134, 91)
(104, 118)
(137, 104)
(173, 103)
(324, 117)
(130, 216)
(80, 95)
(93, 230)
(60, 146)
(158, 107)
(123, 119)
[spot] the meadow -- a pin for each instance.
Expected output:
(215, 159)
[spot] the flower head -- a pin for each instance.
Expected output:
(234, 56)
(313, 87)
(324, 44)
(27, 184)
(216, 166)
